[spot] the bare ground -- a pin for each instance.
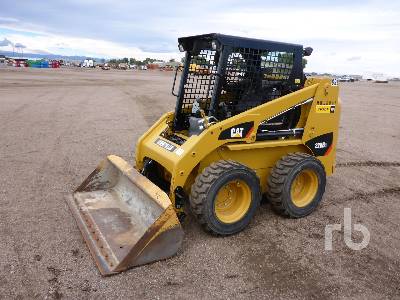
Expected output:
(56, 125)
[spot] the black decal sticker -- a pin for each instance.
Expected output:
(165, 145)
(320, 145)
(239, 131)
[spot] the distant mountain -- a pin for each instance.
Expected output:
(49, 56)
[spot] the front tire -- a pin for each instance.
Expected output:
(225, 196)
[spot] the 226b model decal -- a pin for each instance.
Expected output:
(321, 145)
(239, 131)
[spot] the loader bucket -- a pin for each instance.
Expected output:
(126, 220)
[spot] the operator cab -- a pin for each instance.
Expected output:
(226, 75)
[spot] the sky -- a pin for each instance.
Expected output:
(348, 37)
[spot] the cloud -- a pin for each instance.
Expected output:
(367, 29)
(8, 20)
(82, 46)
(353, 58)
(5, 42)
(19, 45)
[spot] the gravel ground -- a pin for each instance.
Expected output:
(56, 125)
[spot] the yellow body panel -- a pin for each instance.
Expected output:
(185, 162)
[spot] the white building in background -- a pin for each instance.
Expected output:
(379, 77)
(87, 63)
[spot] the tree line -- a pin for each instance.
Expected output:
(134, 61)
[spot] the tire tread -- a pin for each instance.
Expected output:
(276, 180)
(202, 185)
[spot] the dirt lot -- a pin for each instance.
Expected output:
(56, 125)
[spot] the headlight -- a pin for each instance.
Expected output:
(214, 45)
(180, 46)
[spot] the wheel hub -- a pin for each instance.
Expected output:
(232, 201)
(304, 188)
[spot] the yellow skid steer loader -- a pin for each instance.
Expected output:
(251, 125)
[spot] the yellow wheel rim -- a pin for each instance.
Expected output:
(304, 188)
(232, 201)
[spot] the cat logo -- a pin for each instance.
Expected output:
(236, 132)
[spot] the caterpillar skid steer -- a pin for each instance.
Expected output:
(247, 123)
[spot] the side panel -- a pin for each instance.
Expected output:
(322, 125)
(262, 160)
(197, 148)
(153, 131)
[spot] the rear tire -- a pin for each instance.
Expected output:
(296, 185)
(225, 196)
